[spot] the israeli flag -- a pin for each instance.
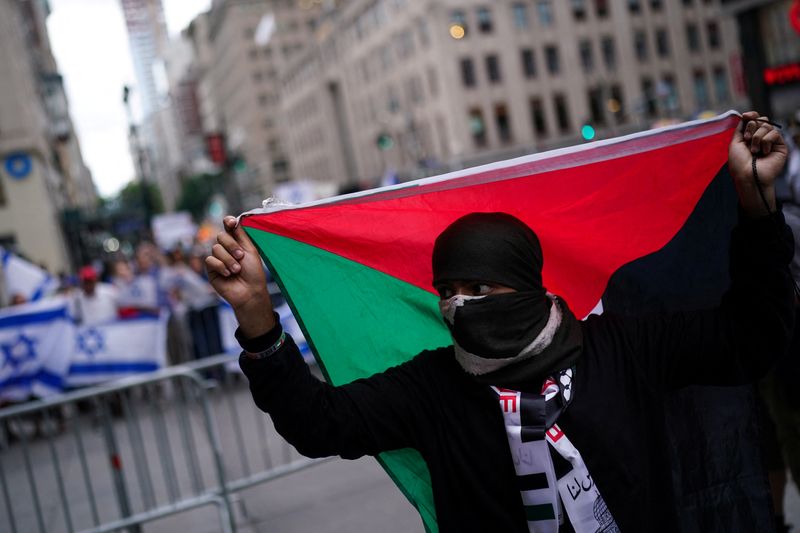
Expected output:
(228, 325)
(117, 349)
(34, 349)
(24, 278)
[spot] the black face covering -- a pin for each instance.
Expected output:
(498, 326)
(499, 248)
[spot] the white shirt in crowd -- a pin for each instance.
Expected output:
(98, 308)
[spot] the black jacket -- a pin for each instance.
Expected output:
(616, 418)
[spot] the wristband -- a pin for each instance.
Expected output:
(269, 351)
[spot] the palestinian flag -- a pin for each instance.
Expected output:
(633, 224)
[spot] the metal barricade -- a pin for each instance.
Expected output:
(119, 455)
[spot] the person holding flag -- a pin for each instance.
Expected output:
(532, 420)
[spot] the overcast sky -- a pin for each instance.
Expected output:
(90, 42)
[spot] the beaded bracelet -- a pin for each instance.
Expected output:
(269, 351)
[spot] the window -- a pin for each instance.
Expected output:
(595, 97)
(528, 63)
(601, 8)
(414, 90)
(692, 38)
(484, 20)
(424, 34)
(544, 10)
(648, 98)
(460, 18)
(562, 114)
(503, 124)
(640, 44)
(392, 101)
(609, 52)
(617, 103)
(468, 72)
(721, 91)
(537, 117)
(520, 13)
(433, 82)
(668, 92)
(493, 68)
(662, 42)
(579, 9)
(587, 57)
(552, 59)
(712, 28)
(477, 127)
(700, 89)
(656, 5)
(635, 6)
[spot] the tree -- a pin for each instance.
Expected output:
(197, 192)
(130, 198)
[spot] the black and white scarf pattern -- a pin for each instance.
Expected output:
(551, 474)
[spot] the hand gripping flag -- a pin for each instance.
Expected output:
(633, 224)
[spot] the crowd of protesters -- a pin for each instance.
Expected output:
(153, 282)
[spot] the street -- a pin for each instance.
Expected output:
(334, 496)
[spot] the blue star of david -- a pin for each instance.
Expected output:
(19, 350)
(90, 342)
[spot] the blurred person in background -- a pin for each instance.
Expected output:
(150, 285)
(200, 303)
(95, 302)
(133, 299)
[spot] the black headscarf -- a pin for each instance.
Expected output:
(495, 247)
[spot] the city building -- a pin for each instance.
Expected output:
(43, 178)
(241, 47)
(157, 145)
(406, 88)
(769, 31)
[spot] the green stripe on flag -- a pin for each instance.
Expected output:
(534, 513)
(359, 321)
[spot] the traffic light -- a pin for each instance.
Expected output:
(588, 132)
(384, 141)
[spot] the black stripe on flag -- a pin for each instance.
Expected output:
(532, 481)
(534, 513)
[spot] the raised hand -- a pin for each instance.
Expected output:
(765, 142)
(236, 273)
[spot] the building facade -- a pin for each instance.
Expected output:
(157, 147)
(769, 31)
(42, 173)
(412, 87)
(241, 47)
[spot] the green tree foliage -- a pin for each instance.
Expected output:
(197, 192)
(131, 199)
